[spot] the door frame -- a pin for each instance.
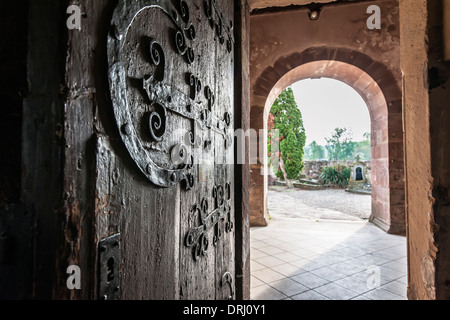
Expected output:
(242, 171)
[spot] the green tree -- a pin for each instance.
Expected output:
(292, 152)
(316, 151)
(363, 148)
(340, 146)
(287, 119)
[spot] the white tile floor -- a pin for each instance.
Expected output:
(302, 259)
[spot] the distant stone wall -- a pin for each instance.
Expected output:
(313, 169)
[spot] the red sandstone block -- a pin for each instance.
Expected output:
(395, 106)
(380, 194)
(396, 150)
(397, 197)
(397, 180)
(396, 134)
(398, 214)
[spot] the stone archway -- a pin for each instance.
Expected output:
(382, 94)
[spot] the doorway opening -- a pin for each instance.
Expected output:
(387, 184)
(331, 167)
(355, 261)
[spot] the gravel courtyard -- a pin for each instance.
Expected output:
(318, 205)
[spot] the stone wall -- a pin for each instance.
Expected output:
(313, 169)
(426, 105)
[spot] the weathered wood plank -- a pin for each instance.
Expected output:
(242, 170)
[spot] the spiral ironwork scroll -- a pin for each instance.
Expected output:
(157, 58)
(157, 123)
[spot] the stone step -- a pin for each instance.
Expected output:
(307, 186)
(315, 183)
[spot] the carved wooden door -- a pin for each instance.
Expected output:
(164, 189)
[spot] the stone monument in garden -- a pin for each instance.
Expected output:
(359, 178)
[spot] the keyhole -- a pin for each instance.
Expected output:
(110, 270)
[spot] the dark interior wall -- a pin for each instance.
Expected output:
(13, 88)
(42, 140)
(32, 76)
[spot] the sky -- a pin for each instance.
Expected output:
(327, 104)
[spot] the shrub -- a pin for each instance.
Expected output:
(338, 175)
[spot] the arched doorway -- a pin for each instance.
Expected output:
(379, 89)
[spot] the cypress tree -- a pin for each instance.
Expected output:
(287, 118)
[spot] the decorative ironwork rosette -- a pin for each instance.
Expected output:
(164, 158)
